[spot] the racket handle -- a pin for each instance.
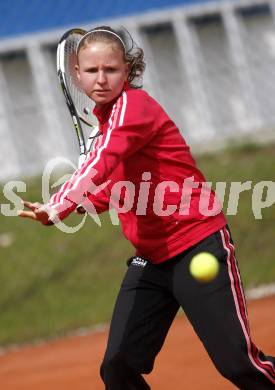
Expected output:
(80, 209)
(81, 160)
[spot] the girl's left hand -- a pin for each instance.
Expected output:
(37, 212)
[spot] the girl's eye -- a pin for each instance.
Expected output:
(111, 69)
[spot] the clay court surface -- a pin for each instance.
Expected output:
(73, 363)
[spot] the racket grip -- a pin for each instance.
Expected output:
(81, 160)
(80, 209)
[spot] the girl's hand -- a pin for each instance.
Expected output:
(37, 212)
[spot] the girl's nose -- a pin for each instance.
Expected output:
(101, 77)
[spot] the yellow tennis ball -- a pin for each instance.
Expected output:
(204, 267)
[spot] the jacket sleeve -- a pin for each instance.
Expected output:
(131, 125)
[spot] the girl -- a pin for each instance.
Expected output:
(169, 222)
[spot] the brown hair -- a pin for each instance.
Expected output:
(133, 55)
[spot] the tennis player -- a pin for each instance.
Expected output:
(171, 219)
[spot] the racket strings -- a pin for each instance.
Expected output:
(91, 140)
(83, 103)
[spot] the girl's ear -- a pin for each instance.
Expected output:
(77, 72)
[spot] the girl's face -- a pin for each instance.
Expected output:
(101, 71)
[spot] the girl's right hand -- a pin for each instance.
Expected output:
(37, 212)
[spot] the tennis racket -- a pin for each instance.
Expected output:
(79, 104)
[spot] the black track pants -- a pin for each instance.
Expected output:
(148, 301)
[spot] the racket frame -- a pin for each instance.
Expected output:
(60, 61)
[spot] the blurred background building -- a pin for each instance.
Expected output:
(210, 63)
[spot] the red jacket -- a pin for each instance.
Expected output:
(140, 144)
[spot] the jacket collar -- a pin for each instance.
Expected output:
(103, 112)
